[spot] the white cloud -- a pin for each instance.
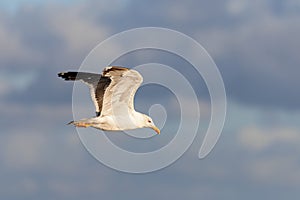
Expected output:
(70, 25)
(58, 157)
(23, 149)
(275, 169)
(258, 139)
(74, 26)
(28, 142)
(270, 154)
(235, 7)
(11, 45)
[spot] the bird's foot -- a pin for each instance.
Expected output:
(80, 124)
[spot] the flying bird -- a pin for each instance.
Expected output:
(113, 94)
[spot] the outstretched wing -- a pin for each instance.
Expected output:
(96, 83)
(119, 95)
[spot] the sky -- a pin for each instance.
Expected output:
(255, 45)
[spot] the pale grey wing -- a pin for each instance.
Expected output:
(96, 82)
(119, 95)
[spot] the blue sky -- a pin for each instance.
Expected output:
(255, 44)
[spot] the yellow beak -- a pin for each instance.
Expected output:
(156, 129)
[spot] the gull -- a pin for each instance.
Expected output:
(113, 94)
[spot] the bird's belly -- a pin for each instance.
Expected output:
(116, 123)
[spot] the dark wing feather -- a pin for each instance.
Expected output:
(119, 96)
(99, 93)
(96, 83)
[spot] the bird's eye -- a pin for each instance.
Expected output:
(149, 121)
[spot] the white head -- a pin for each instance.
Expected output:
(148, 123)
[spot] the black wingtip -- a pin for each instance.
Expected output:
(68, 75)
(61, 74)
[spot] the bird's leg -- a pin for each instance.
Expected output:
(80, 124)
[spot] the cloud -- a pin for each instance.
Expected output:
(260, 139)
(268, 151)
(26, 144)
(255, 46)
(256, 55)
(56, 31)
(44, 40)
(11, 45)
(247, 44)
(23, 150)
(275, 170)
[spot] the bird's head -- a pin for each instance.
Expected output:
(149, 124)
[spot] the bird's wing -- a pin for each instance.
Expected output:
(96, 83)
(119, 95)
